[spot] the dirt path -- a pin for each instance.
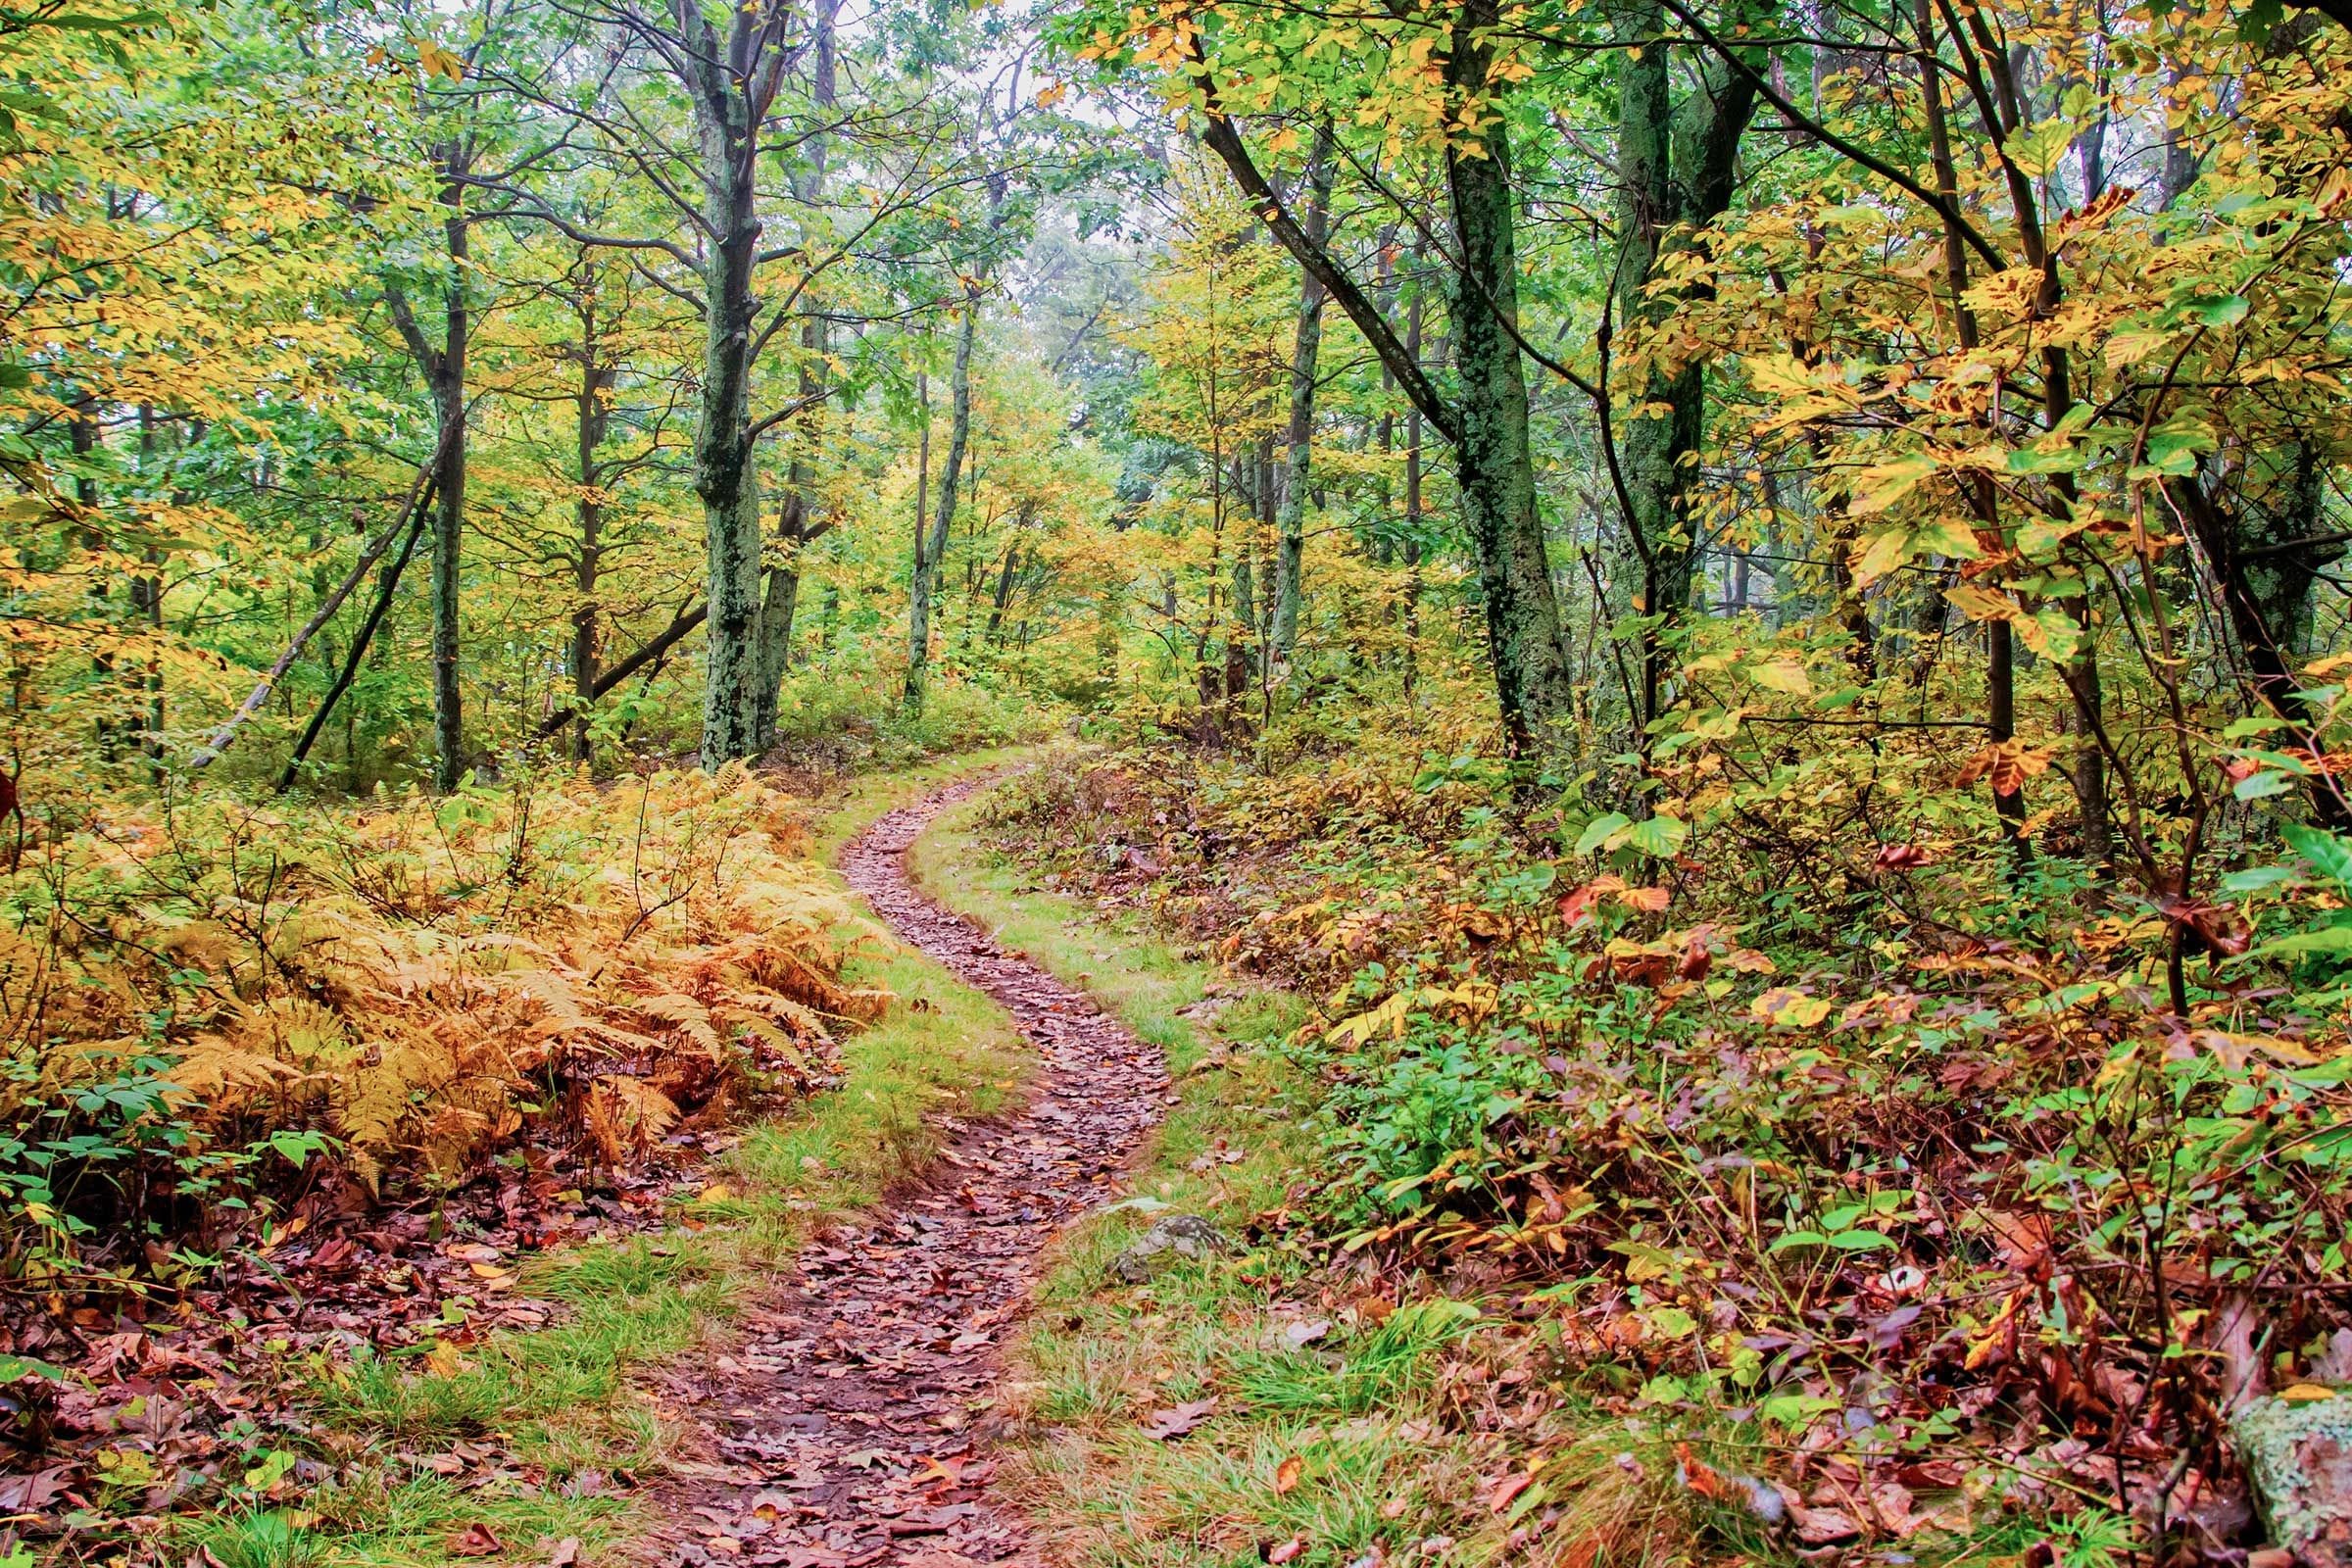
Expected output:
(848, 1427)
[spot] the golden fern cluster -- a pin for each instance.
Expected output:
(425, 978)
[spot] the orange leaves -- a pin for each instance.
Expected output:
(2006, 765)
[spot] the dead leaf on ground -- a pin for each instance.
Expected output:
(1287, 1474)
(1289, 1550)
(477, 1539)
(1180, 1419)
(566, 1552)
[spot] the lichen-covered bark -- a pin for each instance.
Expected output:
(724, 475)
(1492, 456)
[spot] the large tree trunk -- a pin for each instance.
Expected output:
(924, 580)
(1492, 456)
(443, 366)
(1290, 513)
(725, 474)
(1658, 207)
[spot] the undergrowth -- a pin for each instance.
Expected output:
(1924, 1236)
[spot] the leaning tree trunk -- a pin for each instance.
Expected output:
(1289, 519)
(1494, 458)
(924, 583)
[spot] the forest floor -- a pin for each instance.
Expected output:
(847, 1426)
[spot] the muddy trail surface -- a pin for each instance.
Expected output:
(850, 1427)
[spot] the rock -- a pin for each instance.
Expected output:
(2297, 1454)
(1173, 1235)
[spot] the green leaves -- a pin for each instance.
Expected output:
(1658, 836)
(2330, 855)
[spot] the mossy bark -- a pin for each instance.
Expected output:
(1494, 459)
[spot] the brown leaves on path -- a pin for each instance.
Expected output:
(847, 1429)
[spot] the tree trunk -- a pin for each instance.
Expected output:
(595, 419)
(725, 471)
(793, 527)
(925, 580)
(1290, 517)
(449, 407)
(1493, 457)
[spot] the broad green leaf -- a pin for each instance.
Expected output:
(2332, 855)
(1658, 836)
(1601, 830)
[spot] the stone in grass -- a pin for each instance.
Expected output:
(2296, 1447)
(1170, 1235)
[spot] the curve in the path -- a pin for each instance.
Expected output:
(846, 1431)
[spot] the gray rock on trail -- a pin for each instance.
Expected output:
(2298, 1461)
(1173, 1235)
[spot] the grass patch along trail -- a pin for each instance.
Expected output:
(846, 1428)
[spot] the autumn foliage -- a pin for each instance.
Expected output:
(217, 1009)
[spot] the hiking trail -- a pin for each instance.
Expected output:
(849, 1428)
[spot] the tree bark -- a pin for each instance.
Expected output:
(1494, 457)
(443, 366)
(727, 115)
(595, 417)
(925, 577)
(1290, 521)
(795, 529)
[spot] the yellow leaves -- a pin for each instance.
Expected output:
(1785, 1007)
(1881, 484)
(1786, 674)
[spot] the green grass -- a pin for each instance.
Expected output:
(562, 1400)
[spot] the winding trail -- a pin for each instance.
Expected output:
(849, 1428)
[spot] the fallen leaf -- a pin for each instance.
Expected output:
(565, 1555)
(2306, 1393)
(477, 1539)
(1177, 1421)
(1290, 1550)
(1500, 1491)
(1821, 1527)
(1287, 1474)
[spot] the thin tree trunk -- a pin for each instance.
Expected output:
(794, 528)
(594, 419)
(1290, 520)
(449, 407)
(420, 495)
(927, 561)
(2000, 662)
